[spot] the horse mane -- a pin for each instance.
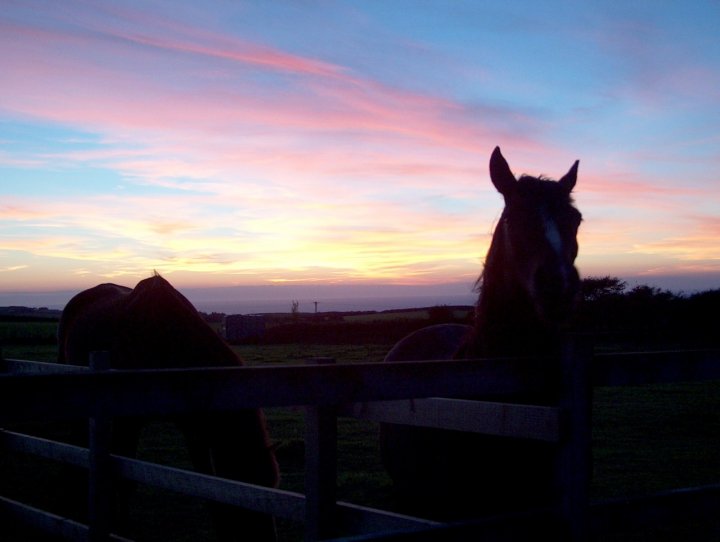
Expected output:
(541, 182)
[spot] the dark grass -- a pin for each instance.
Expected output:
(651, 438)
(28, 332)
(645, 439)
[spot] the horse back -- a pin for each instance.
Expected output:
(150, 326)
(160, 328)
(439, 342)
(88, 322)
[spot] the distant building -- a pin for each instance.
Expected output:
(244, 327)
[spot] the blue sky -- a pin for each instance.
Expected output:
(346, 143)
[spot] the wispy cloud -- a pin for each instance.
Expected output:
(233, 155)
(697, 245)
(12, 268)
(114, 96)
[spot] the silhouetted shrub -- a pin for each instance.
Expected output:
(647, 316)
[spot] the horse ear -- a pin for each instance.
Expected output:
(568, 181)
(500, 173)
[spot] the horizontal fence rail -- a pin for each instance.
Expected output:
(41, 520)
(641, 368)
(77, 389)
(276, 502)
(486, 417)
(427, 393)
(23, 366)
(177, 391)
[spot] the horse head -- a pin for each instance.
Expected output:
(537, 235)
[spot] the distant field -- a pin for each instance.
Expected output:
(644, 439)
(419, 314)
(385, 316)
(28, 332)
(299, 353)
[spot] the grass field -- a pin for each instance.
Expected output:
(644, 439)
(32, 333)
(423, 314)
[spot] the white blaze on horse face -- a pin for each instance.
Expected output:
(552, 234)
(555, 240)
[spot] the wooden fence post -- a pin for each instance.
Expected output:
(574, 467)
(320, 468)
(100, 487)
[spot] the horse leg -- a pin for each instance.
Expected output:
(224, 445)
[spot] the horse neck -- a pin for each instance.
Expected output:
(506, 322)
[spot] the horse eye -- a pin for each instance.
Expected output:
(572, 220)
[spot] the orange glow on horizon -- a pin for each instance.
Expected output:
(324, 148)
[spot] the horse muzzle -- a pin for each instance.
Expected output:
(556, 292)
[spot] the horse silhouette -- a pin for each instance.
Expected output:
(528, 290)
(155, 326)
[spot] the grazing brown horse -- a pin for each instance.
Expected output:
(528, 290)
(155, 326)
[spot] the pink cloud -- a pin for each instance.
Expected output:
(208, 45)
(168, 33)
(271, 147)
(635, 194)
(122, 92)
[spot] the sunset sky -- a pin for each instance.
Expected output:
(228, 143)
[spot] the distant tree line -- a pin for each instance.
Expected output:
(645, 315)
(613, 313)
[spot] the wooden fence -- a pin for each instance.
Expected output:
(374, 391)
